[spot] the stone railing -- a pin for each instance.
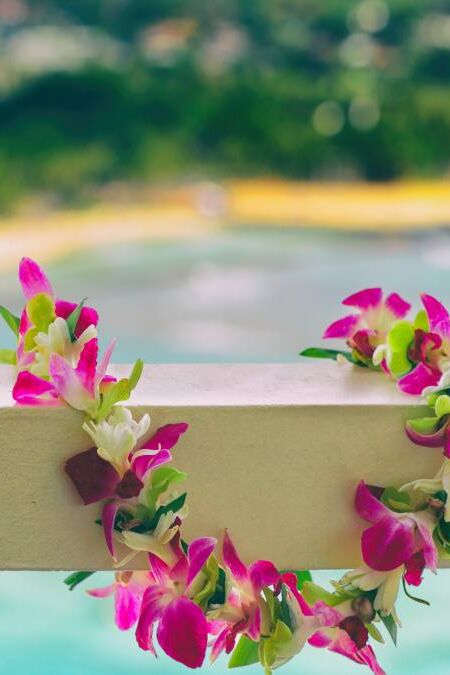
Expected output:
(273, 453)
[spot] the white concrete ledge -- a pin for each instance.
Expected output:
(273, 453)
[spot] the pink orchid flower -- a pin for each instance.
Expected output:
(245, 611)
(394, 538)
(431, 349)
(348, 639)
(182, 627)
(365, 330)
(79, 386)
(34, 282)
(339, 631)
(128, 589)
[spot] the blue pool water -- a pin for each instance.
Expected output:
(237, 296)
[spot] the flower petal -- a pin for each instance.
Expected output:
(429, 549)
(88, 315)
(435, 310)
(198, 553)
(342, 328)
(152, 607)
(166, 437)
(367, 505)
(389, 543)
(103, 592)
(417, 379)
(127, 606)
(232, 561)
(263, 573)
(109, 513)
(67, 383)
(183, 631)
(253, 629)
(33, 280)
(93, 478)
(397, 305)
(160, 569)
(130, 486)
(435, 439)
(30, 389)
(104, 363)
(365, 299)
(87, 366)
(414, 568)
(143, 462)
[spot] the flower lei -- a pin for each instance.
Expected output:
(194, 598)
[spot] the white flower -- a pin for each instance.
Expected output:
(116, 436)
(155, 542)
(57, 340)
(387, 584)
(430, 486)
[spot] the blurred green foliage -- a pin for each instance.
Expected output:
(184, 89)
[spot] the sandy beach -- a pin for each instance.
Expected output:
(194, 210)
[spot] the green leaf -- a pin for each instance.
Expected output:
(302, 576)
(396, 500)
(161, 480)
(175, 505)
(285, 614)
(8, 356)
(421, 601)
(136, 373)
(76, 578)
(115, 393)
(390, 625)
(218, 597)
(319, 353)
(313, 593)
(244, 654)
(72, 319)
(10, 319)
(41, 311)
(374, 632)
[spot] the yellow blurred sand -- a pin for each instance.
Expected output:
(194, 210)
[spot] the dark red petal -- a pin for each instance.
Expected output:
(355, 628)
(129, 486)
(414, 568)
(93, 478)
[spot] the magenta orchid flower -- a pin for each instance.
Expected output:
(128, 589)
(368, 328)
(95, 478)
(56, 337)
(245, 611)
(79, 387)
(430, 349)
(394, 538)
(182, 627)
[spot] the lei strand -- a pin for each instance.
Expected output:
(194, 597)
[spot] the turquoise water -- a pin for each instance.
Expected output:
(241, 296)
